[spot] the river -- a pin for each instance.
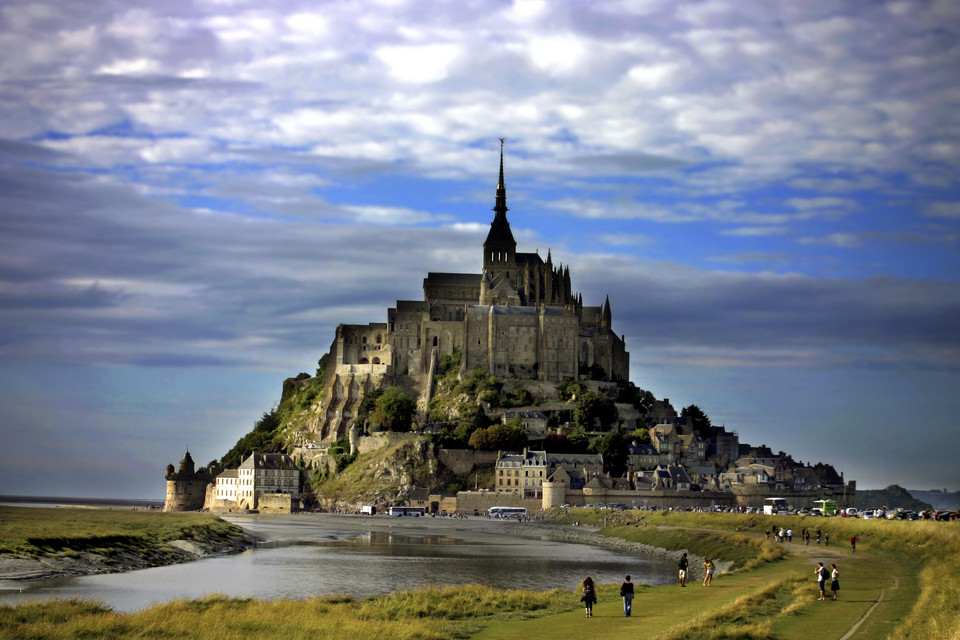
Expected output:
(315, 555)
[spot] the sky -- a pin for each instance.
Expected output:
(193, 195)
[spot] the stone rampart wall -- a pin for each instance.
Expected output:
(186, 495)
(276, 503)
(381, 439)
(659, 499)
(477, 502)
(462, 461)
(753, 495)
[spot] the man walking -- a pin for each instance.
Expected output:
(683, 570)
(626, 592)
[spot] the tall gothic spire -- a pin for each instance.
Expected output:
(501, 206)
(500, 236)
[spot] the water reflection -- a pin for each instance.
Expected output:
(300, 561)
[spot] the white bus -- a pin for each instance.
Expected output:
(416, 512)
(773, 506)
(507, 513)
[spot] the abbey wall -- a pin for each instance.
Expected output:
(518, 318)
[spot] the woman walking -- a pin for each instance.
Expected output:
(589, 597)
(708, 570)
(834, 581)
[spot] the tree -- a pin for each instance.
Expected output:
(641, 436)
(591, 406)
(264, 438)
(367, 405)
(698, 420)
(614, 450)
(500, 437)
(569, 389)
(641, 399)
(394, 410)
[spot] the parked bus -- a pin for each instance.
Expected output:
(416, 512)
(773, 506)
(827, 507)
(505, 513)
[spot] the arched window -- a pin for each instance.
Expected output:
(378, 339)
(364, 340)
(434, 340)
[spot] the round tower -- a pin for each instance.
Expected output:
(554, 494)
(354, 438)
(186, 464)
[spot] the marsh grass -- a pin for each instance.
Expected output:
(423, 614)
(778, 598)
(691, 532)
(42, 532)
(935, 546)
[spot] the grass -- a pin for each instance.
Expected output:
(771, 595)
(27, 532)
(453, 612)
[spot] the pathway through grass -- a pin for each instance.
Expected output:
(778, 600)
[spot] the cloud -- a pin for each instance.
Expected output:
(949, 210)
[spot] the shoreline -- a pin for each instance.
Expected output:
(482, 529)
(67, 564)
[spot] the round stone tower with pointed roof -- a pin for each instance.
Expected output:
(187, 487)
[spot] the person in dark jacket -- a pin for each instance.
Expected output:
(589, 597)
(626, 592)
(683, 570)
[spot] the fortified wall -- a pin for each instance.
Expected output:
(477, 502)
(187, 488)
(753, 495)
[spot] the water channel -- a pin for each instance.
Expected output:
(308, 556)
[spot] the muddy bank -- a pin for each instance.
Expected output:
(483, 529)
(67, 563)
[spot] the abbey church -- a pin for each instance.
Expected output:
(518, 318)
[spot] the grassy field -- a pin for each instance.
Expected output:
(28, 532)
(900, 584)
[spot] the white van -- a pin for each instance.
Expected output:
(368, 510)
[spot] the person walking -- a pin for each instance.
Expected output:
(821, 573)
(589, 597)
(626, 592)
(683, 570)
(834, 581)
(708, 572)
(826, 539)
(853, 543)
(819, 535)
(790, 536)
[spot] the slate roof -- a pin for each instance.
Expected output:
(277, 461)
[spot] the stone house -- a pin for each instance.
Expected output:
(264, 473)
(226, 485)
(534, 422)
(642, 457)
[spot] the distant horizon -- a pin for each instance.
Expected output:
(4, 497)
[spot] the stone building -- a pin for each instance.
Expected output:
(518, 318)
(187, 486)
(265, 473)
